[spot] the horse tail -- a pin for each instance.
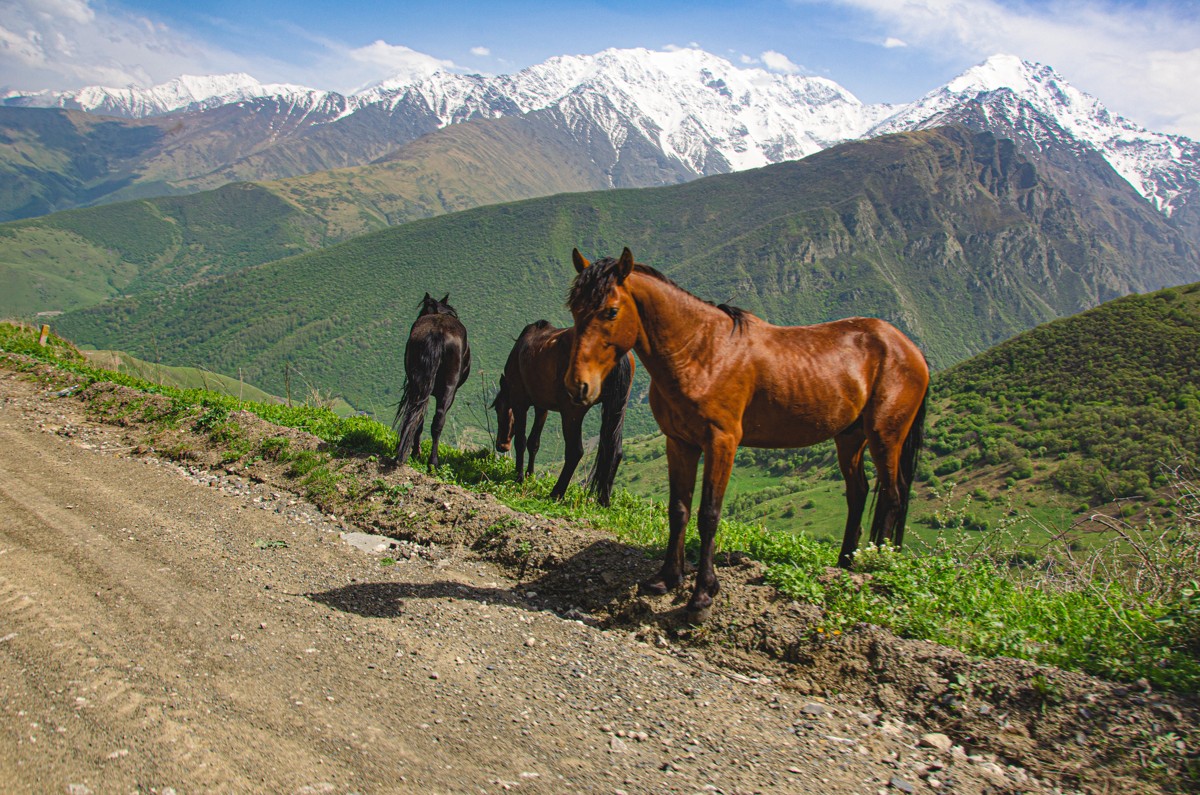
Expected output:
(614, 395)
(420, 372)
(909, 453)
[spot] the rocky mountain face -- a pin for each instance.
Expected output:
(1049, 119)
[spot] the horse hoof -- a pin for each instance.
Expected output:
(698, 615)
(655, 587)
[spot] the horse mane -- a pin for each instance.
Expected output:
(594, 282)
(433, 306)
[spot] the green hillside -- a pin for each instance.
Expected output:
(77, 259)
(197, 378)
(178, 377)
(1099, 406)
(921, 229)
(57, 159)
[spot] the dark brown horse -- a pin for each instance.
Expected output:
(721, 378)
(533, 378)
(437, 361)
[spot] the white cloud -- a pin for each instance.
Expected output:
(891, 43)
(71, 43)
(1141, 60)
(778, 62)
(481, 51)
(396, 60)
(64, 44)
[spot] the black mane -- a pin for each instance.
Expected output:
(594, 282)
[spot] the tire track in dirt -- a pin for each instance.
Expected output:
(104, 572)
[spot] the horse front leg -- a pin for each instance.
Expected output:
(682, 459)
(718, 464)
(573, 439)
(535, 437)
(520, 416)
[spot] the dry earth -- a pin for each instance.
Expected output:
(183, 626)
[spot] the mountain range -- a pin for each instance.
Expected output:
(640, 118)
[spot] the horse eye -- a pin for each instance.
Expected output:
(610, 313)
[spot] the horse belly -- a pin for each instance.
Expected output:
(777, 426)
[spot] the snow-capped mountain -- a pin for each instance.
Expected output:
(1165, 169)
(701, 109)
(187, 93)
(680, 114)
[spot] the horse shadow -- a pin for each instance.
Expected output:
(598, 584)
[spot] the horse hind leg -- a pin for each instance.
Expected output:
(439, 422)
(408, 442)
(851, 444)
(891, 505)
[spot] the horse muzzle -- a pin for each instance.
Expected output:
(583, 393)
(502, 447)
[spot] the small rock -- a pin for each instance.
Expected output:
(814, 709)
(935, 740)
(898, 783)
(531, 641)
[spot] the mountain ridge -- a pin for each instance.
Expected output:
(703, 115)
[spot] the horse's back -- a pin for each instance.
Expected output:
(440, 339)
(813, 381)
(540, 358)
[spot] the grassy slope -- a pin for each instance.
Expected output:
(55, 159)
(80, 258)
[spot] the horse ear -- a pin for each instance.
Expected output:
(624, 265)
(580, 262)
(427, 297)
(446, 300)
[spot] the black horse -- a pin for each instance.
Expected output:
(533, 378)
(437, 361)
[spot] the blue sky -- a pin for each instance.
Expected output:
(1142, 59)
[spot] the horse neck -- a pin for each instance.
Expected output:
(676, 327)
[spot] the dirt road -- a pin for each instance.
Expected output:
(171, 630)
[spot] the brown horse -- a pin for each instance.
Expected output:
(721, 378)
(533, 378)
(437, 361)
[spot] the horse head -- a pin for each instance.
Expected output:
(606, 323)
(432, 306)
(504, 418)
